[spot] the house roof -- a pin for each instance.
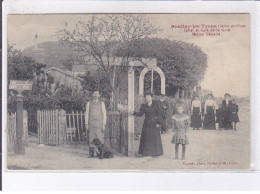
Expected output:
(64, 72)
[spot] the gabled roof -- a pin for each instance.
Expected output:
(64, 72)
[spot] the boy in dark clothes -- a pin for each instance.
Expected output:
(219, 116)
(163, 107)
(234, 116)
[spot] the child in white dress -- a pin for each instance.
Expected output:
(180, 125)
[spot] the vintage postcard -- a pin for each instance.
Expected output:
(128, 92)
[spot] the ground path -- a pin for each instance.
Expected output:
(205, 146)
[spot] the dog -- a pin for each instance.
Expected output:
(102, 150)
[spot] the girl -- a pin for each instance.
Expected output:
(180, 125)
(196, 113)
(234, 115)
(209, 114)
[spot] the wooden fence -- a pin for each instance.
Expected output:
(32, 121)
(116, 132)
(50, 127)
(11, 130)
(56, 127)
(75, 126)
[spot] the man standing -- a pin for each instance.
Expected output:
(95, 120)
(163, 107)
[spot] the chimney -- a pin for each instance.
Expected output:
(35, 42)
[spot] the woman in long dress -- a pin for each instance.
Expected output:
(227, 103)
(150, 142)
(196, 122)
(209, 114)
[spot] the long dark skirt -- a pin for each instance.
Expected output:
(227, 119)
(196, 118)
(219, 117)
(150, 143)
(209, 119)
(234, 118)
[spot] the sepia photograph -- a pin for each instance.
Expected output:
(150, 92)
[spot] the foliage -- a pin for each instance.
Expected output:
(64, 98)
(21, 67)
(68, 99)
(183, 64)
(41, 96)
(97, 80)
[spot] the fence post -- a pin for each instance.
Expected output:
(56, 123)
(19, 145)
(11, 133)
(39, 125)
(131, 119)
(62, 126)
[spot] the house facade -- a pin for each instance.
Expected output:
(65, 78)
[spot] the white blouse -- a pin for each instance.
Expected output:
(210, 103)
(227, 101)
(196, 103)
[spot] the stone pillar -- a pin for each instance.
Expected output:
(19, 144)
(131, 106)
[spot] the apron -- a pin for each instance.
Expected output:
(95, 121)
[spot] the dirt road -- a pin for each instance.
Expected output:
(207, 149)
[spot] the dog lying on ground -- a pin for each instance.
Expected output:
(102, 150)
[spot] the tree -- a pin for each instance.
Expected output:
(183, 64)
(100, 37)
(21, 67)
(96, 80)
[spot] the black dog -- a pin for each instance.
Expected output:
(102, 150)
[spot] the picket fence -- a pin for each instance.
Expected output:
(56, 127)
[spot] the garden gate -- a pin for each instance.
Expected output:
(56, 127)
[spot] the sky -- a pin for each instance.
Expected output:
(228, 54)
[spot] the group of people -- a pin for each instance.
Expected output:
(201, 115)
(205, 115)
(211, 116)
(155, 124)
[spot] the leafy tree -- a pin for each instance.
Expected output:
(21, 67)
(69, 100)
(183, 64)
(97, 80)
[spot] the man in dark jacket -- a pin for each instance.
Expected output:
(163, 107)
